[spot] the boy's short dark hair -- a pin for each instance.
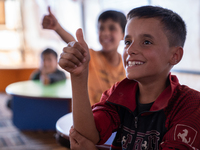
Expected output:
(116, 16)
(174, 26)
(49, 51)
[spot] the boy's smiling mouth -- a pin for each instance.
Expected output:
(134, 63)
(106, 41)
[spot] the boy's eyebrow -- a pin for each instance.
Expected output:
(127, 36)
(141, 35)
(147, 35)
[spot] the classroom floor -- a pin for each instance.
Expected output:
(13, 139)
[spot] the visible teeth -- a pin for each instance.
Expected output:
(132, 63)
(106, 41)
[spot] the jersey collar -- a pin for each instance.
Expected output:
(125, 94)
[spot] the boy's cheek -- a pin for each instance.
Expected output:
(124, 64)
(124, 57)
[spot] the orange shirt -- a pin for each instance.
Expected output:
(102, 75)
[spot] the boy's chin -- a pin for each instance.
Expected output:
(130, 77)
(133, 77)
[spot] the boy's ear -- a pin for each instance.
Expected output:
(177, 54)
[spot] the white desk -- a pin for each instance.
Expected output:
(63, 125)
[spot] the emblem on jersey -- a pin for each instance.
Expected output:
(185, 134)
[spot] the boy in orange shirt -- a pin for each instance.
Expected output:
(105, 67)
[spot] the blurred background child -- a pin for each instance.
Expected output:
(48, 72)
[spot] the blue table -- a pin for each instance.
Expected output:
(38, 107)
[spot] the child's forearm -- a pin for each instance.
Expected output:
(66, 36)
(75, 59)
(82, 112)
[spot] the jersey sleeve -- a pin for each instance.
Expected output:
(183, 122)
(106, 116)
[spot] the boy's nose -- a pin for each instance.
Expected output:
(105, 32)
(132, 49)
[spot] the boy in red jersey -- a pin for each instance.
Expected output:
(149, 109)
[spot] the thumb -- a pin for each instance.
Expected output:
(49, 10)
(80, 38)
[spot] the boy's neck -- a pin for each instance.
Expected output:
(113, 57)
(149, 93)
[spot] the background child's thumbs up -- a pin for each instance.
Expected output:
(49, 21)
(49, 10)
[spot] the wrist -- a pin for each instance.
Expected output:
(83, 75)
(58, 27)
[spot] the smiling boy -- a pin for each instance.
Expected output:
(149, 109)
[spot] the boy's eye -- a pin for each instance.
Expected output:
(127, 42)
(146, 42)
(101, 28)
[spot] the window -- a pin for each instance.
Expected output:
(22, 37)
(10, 33)
(2, 13)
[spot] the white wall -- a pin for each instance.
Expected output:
(190, 12)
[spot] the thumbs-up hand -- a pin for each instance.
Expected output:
(49, 21)
(75, 57)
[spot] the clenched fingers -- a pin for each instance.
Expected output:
(47, 21)
(72, 56)
(79, 142)
(77, 46)
(76, 140)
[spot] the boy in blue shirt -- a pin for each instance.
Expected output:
(48, 72)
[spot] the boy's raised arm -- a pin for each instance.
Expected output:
(50, 22)
(75, 59)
